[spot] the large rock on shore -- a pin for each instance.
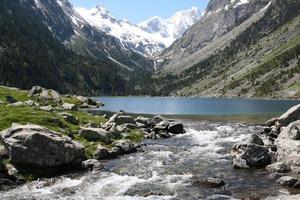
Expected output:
(293, 114)
(38, 147)
(288, 142)
(43, 93)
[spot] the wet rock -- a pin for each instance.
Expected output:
(254, 139)
(102, 153)
(10, 99)
(250, 155)
(123, 119)
(143, 120)
(96, 134)
(148, 190)
(70, 118)
(126, 146)
(92, 164)
(176, 128)
(293, 114)
(271, 122)
(289, 181)
(69, 106)
(279, 167)
(158, 128)
(208, 182)
(163, 134)
(115, 152)
(157, 119)
(39, 147)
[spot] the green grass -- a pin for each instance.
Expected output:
(135, 136)
(19, 95)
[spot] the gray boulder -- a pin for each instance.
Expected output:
(271, 122)
(96, 134)
(208, 182)
(123, 119)
(157, 119)
(35, 90)
(39, 147)
(176, 128)
(289, 181)
(102, 153)
(143, 120)
(92, 164)
(254, 139)
(250, 155)
(49, 95)
(293, 114)
(288, 143)
(69, 106)
(279, 167)
(126, 146)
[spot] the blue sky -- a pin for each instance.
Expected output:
(140, 10)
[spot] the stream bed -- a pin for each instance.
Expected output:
(165, 170)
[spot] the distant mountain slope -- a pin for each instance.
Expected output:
(31, 55)
(77, 34)
(221, 17)
(148, 38)
(257, 58)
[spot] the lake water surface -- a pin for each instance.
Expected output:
(195, 105)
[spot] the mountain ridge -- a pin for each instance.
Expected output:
(141, 37)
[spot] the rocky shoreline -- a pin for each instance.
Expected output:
(277, 149)
(80, 141)
(32, 151)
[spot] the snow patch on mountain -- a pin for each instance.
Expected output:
(172, 28)
(148, 38)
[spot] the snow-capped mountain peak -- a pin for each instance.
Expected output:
(148, 38)
(174, 27)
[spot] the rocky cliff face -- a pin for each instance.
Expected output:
(220, 17)
(256, 57)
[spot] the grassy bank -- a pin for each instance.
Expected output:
(51, 119)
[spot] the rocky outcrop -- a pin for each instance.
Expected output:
(32, 146)
(42, 93)
(92, 165)
(293, 114)
(289, 181)
(288, 142)
(250, 154)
